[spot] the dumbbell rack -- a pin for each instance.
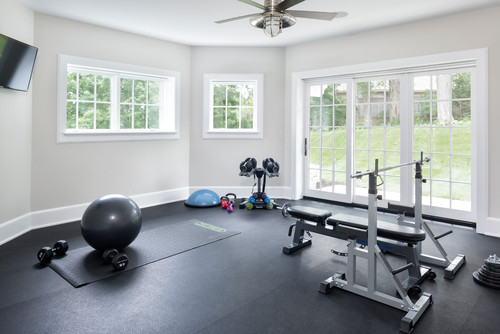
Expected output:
(259, 199)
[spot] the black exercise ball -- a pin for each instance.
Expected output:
(112, 221)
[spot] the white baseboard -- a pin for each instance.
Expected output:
(161, 197)
(245, 191)
(15, 228)
(490, 227)
(56, 216)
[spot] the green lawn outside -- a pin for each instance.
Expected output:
(443, 167)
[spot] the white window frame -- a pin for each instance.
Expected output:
(258, 106)
(169, 118)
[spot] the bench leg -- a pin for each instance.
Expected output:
(410, 319)
(454, 266)
(298, 239)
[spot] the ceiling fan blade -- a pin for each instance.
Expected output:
(236, 18)
(252, 3)
(327, 16)
(287, 4)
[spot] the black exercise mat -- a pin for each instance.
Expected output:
(85, 265)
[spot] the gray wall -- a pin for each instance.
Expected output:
(76, 173)
(472, 30)
(17, 22)
(215, 162)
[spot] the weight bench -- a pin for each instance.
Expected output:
(371, 238)
(396, 239)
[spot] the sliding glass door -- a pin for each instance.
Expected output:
(328, 140)
(442, 130)
(392, 118)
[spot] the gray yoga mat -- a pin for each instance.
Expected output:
(85, 265)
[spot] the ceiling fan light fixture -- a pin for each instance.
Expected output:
(273, 24)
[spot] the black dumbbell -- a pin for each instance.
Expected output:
(117, 259)
(46, 254)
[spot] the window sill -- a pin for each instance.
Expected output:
(108, 136)
(236, 134)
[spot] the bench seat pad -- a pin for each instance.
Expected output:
(387, 230)
(308, 213)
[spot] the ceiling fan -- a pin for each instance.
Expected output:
(276, 16)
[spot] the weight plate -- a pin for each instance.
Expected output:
(487, 279)
(488, 275)
(478, 278)
(284, 210)
(492, 266)
(415, 291)
(493, 261)
(492, 270)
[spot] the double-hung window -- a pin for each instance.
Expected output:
(233, 106)
(106, 101)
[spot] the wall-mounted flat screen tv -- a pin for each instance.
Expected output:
(16, 63)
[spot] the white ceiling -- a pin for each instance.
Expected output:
(191, 22)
